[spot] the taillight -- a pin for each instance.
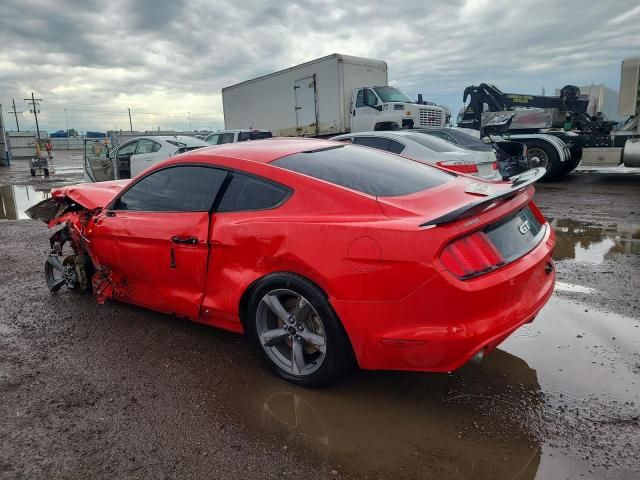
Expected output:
(459, 166)
(494, 165)
(471, 255)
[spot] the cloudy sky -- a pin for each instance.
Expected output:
(95, 59)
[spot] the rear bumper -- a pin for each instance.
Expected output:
(445, 322)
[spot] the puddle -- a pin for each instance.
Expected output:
(587, 242)
(15, 199)
(506, 418)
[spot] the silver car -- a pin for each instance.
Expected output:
(431, 150)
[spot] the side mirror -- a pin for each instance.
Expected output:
(420, 100)
(378, 107)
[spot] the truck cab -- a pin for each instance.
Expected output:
(387, 108)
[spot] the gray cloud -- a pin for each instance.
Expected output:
(163, 60)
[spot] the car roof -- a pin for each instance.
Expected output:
(380, 133)
(186, 139)
(238, 130)
(262, 151)
(399, 134)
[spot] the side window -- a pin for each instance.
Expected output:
(227, 138)
(213, 139)
(147, 146)
(183, 188)
(371, 100)
(395, 147)
(128, 148)
(360, 99)
(249, 193)
(374, 142)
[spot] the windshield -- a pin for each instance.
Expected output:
(365, 170)
(390, 94)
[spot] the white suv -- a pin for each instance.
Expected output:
(240, 135)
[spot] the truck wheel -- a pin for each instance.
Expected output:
(297, 330)
(46, 172)
(542, 154)
(569, 166)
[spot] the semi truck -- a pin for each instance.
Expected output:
(325, 97)
(558, 131)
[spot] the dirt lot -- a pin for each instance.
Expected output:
(114, 391)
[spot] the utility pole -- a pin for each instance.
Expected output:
(34, 107)
(130, 124)
(15, 113)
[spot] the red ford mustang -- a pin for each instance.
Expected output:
(324, 253)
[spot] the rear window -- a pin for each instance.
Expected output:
(249, 193)
(243, 136)
(432, 143)
(365, 170)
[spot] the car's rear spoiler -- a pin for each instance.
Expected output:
(518, 183)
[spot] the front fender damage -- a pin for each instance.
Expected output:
(78, 222)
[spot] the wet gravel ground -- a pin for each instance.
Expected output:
(115, 391)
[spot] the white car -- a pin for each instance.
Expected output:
(239, 135)
(428, 149)
(133, 156)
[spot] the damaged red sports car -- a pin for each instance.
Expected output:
(324, 253)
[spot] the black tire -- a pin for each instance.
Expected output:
(338, 357)
(33, 172)
(46, 172)
(569, 165)
(552, 158)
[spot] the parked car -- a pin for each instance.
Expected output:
(133, 156)
(511, 156)
(238, 135)
(430, 150)
(322, 252)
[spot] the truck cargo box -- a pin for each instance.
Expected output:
(313, 98)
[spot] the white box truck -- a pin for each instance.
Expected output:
(324, 97)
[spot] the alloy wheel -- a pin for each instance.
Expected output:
(291, 332)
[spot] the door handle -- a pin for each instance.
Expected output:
(185, 240)
(110, 213)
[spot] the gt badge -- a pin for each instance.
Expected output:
(524, 227)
